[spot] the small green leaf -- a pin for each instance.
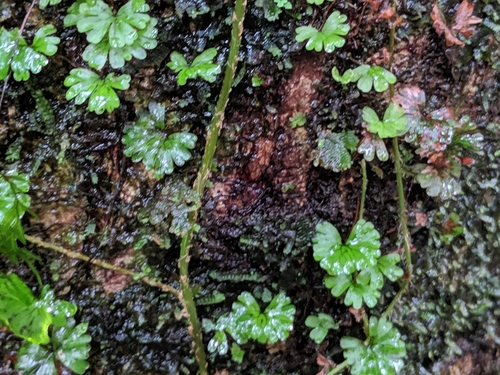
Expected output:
(298, 119)
(345, 78)
(391, 126)
(35, 359)
(145, 142)
(45, 3)
(14, 202)
(370, 145)
(237, 353)
(321, 324)
(71, 346)
(60, 310)
(357, 291)
(218, 344)
(44, 43)
(329, 38)
(84, 84)
(280, 313)
(335, 150)
(382, 356)
(317, 2)
(202, 66)
(246, 320)
(26, 59)
(387, 265)
(7, 45)
(128, 34)
(360, 250)
(338, 284)
(361, 291)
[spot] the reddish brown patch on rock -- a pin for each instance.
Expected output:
(112, 281)
(277, 157)
(293, 151)
(260, 159)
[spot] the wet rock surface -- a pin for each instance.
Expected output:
(266, 197)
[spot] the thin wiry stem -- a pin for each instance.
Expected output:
(103, 264)
(401, 195)
(363, 189)
(339, 368)
(199, 185)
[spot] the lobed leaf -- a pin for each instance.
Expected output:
(218, 343)
(358, 290)
(25, 58)
(70, 347)
(144, 142)
(20, 312)
(35, 359)
(44, 43)
(128, 34)
(202, 66)
(246, 321)
(321, 324)
(330, 36)
(45, 3)
(14, 202)
(335, 150)
(382, 356)
(84, 84)
(392, 125)
(361, 250)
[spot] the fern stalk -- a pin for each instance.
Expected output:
(103, 264)
(186, 297)
(339, 368)
(401, 194)
(363, 189)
